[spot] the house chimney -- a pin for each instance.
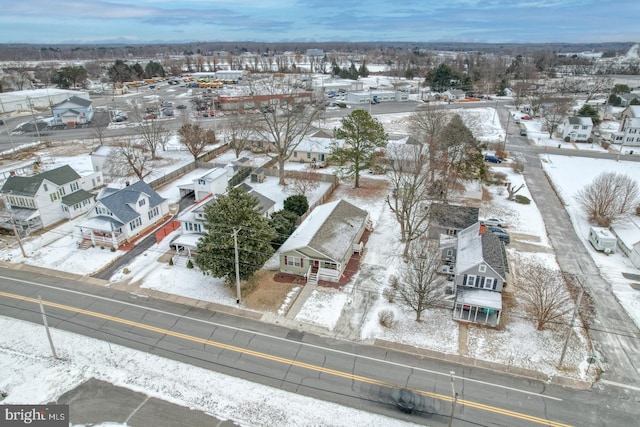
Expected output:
(483, 228)
(126, 183)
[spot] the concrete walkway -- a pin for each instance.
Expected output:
(301, 298)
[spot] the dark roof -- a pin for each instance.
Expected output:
(322, 134)
(494, 253)
(29, 185)
(119, 201)
(75, 100)
(77, 197)
(454, 216)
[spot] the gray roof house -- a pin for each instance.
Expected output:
(121, 215)
(323, 244)
(480, 272)
(49, 197)
(72, 111)
(450, 219)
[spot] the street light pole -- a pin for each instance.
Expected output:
(235, 247)
(454, 397)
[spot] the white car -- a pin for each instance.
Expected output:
(494, 221)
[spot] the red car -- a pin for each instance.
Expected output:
(526, 118)
(150, 117)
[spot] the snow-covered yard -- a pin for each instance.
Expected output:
(518, 344)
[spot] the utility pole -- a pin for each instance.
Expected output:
(35, 120)
(454, 397)
(235, 247)
(573, 318)
(46, 326)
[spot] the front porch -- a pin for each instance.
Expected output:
(478, 306)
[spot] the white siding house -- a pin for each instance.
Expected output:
(578, 129)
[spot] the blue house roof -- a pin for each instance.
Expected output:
(120, 201)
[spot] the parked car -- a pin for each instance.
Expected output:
(150, 117)
(167, 112)
(1, 122)
(501, 234)
(492, 159)
(493, 221)
(526, 117)
(181, 107)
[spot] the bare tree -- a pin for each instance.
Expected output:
(555, 112)
(421, 286)
(285, 125)
(195, 138)
(545, 294)
(129, 158)
(427, 126)
(240, 131)
(409, 202)
(610, 197)
(306, 183)
(151, 131)
(512, 189)
(598, 84)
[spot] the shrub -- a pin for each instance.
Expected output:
(517, 167)
(499, 177)
(126, 270)
(605, 144)
(567, 139)
(297, 203)
(189, 264)
(501, 154)
(113, 249)
(522, 199)
(389, 294)
(394, 282)
(171, 261)
(385, 317)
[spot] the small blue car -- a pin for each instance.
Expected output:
(492, 159)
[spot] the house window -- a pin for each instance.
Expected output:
(293, 260)
(295, 154)
(54, 197)
(471, 281)
(451, 231)
(153, 212)
(482, 268)
(74, 186)
(45, 187)
(135, 224)
(61, 190)
(202, 182)
(142, 202)
(308, 155)
(584, 127)
(489, 282)
(449, 253)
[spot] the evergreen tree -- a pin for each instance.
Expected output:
(153, 69)
(363, 136)
(590, 111)
(363, 70)
(234, 211)
(284, 223)
(297, 204)
(440, 79)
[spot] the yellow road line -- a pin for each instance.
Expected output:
(283, 360)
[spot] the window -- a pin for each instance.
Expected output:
(44, 186)
(471, 281)
(293, 260)
(576, 126)
(153, 212)
(295, 154)
(135, 224)
(54, 197)
(142, 202)
(202, 182)
(61, 190)
(308, 155)
(482, 268)
(449, 252)
(74, 186)
(489, 282)
(585, 127)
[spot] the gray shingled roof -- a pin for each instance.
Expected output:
(336, 235)
(454, 216)
(75, 100)
(119, 201)
(494, 253)
(77, 197)
(29, 185)
(585, 121)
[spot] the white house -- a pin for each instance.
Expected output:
(578, 129)
(49, 197)
(314, 149)
(629, 134)
(72, 111)
(121, 215)
(213, 181)
(628, 234)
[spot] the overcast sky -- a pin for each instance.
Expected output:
(490, 21)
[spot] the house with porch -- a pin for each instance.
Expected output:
(480, 273)
(323, 244)
(73, 111)
(49, 197)
(122, 215)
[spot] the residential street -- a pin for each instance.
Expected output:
(616, 337)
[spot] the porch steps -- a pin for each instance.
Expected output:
(85, 244)
(312, 278)
(180, 261)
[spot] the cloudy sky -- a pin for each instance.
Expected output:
(491, 21)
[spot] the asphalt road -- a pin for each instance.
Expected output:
(320, 367)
